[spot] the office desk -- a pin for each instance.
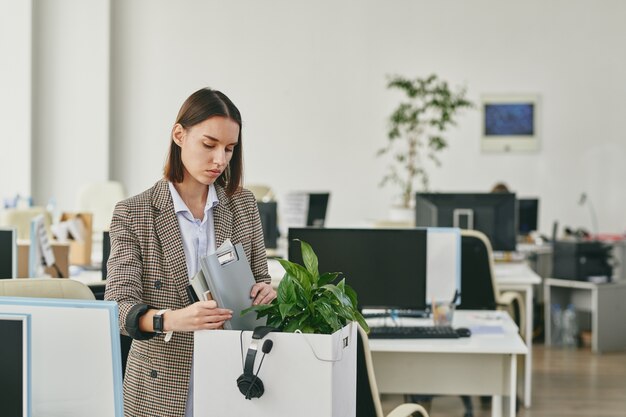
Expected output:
(605, 303)
(519, 277)
(483, 364)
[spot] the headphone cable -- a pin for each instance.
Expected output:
(255, 378)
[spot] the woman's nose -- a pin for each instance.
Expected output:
(220, 157)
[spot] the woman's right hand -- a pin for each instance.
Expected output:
(202, 315)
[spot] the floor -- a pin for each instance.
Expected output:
(568, 383)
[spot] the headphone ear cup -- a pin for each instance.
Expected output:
(250, 386)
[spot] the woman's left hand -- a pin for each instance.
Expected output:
(262, 293)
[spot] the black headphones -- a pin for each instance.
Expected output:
(249, 383)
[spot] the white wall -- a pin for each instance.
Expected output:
(310, 82)
(15, 99)
(70, 133)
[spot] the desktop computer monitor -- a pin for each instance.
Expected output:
(268, 211)
(494, 214)
(385, 267)
(527, 215)
(8, 252)
(15, 364)
(75, 357)
(316, 215)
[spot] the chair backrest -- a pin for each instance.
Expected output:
(261, 192)
(45, 288)
(100, 198)
(367, 397)
(20, 218)
(478, 287)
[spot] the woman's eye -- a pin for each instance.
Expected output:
(229, 149)
(209, 146)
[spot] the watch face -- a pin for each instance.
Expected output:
(157, 323)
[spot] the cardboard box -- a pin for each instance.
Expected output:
(80, 250)
(308, 375)
(61, 255)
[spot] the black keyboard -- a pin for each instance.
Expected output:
(413, 332)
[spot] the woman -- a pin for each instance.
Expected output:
(157, 239)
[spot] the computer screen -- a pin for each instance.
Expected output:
(8, 252)
(527, 215)
(494, 214)
(386, 267)
(318, 204)
(268, 211)
(76, 366)
(14, 365)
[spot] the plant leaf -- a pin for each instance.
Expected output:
(297, 271)
(285, 310)
(310, 260)
(327, 278)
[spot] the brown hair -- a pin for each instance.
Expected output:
(201, 105)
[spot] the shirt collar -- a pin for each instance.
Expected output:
(180, 206)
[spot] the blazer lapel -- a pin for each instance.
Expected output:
(168, 232)
(222, 217)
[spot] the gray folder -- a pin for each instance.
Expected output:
(230, 280)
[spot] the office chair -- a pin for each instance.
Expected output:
(100, 198)
(367, 397)
(20, 218)
(479, 289)
(261, 192)
(45, 288)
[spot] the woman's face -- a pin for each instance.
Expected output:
(206, 148)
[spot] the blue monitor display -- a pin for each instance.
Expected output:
(514, 119)
(494, 214)
(385, 267)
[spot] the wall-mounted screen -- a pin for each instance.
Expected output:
(510, 123)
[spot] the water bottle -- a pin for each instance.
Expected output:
(557, 325)
(570, 327)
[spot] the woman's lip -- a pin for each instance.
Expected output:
(214, 172)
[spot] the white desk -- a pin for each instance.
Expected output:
(605, 302)
(519, 277)
(483, 364)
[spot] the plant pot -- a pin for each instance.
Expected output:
(400, 214)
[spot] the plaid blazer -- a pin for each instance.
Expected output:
(147, 266)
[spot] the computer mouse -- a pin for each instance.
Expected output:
(463, 332)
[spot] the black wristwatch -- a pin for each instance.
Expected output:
(157, 321)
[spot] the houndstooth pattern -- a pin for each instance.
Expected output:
(147, 266)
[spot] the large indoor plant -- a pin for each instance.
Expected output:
(416, 128)
(308, 301)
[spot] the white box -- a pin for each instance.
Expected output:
(304, 374)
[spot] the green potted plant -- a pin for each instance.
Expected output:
(308, 301)
(416, 128)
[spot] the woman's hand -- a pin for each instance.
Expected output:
(262, 293)
(202, 315)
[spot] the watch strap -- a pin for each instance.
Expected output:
(168, 335)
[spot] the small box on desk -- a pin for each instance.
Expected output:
(61, 255)
(582, 261)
